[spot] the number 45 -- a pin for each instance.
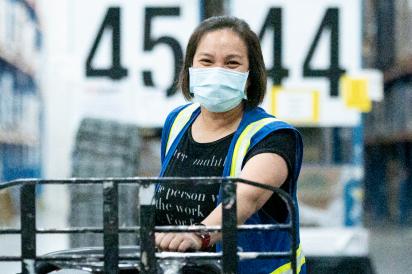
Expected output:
(116, 71)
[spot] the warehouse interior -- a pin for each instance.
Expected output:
(72, 105)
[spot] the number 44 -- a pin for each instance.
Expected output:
(329, 22)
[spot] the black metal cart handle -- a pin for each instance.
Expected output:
(148, 256)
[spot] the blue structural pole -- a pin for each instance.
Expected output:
(354, 189)
(202, 11)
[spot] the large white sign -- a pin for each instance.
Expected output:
(308, 46)
(126, 57)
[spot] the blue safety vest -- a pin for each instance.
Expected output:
(255, 125)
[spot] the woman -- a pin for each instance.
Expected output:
(227, 135)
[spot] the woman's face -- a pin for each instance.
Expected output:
(222, 48)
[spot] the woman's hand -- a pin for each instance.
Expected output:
(180, 242)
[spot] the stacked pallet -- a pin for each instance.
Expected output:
(103, 149)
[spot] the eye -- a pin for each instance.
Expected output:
(205, 62)
(233, 63)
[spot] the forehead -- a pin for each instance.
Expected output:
(222, 41)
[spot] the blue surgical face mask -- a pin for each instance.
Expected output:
(217, 89)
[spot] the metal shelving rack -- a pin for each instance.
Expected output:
(388, 128)
(20, 98)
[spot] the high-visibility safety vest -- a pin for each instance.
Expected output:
(255, 125)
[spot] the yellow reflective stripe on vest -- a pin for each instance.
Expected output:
(287, 268)
(179, 123)
(243, 144)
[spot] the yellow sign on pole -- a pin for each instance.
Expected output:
(355, 91)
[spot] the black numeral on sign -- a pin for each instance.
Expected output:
(330, 23)
(116, 71)
(150, 42)
(274, 21)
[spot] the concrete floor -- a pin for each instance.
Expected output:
(391, 248)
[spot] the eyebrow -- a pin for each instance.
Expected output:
(234, 56)
(205, 54)
(226, 57)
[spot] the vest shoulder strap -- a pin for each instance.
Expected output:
(179, 123)
(243, 143)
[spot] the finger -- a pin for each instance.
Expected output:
(196, 243)
(164, 244)
(158, 238)
(175, 242)
(184, 246)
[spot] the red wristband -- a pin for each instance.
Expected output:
(204, 236)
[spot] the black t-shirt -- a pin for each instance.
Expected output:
(185, 205)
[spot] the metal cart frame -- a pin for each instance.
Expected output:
(148, 256)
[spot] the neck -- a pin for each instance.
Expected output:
(224, 121)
